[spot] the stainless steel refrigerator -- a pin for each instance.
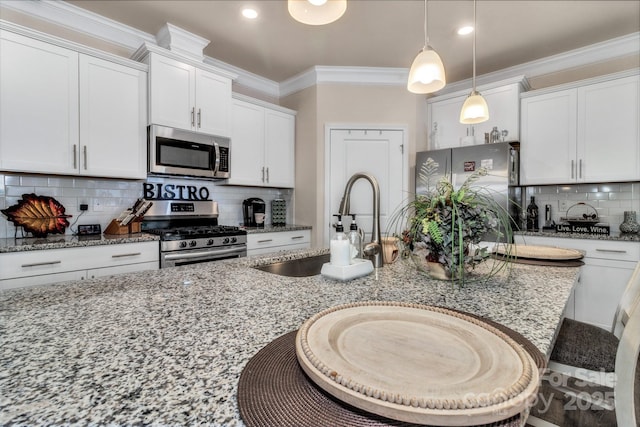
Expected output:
(502, 180)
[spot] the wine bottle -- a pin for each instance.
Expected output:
(532, 215)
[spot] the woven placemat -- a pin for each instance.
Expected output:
(274, 391)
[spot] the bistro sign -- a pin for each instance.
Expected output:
(162, 191)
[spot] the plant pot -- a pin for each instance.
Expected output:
(630, 225)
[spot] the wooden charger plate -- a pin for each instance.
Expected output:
(537, 252)
(417, 363)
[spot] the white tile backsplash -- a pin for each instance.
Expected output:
(106, 198)
(610, 200)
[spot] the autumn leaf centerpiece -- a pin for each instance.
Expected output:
(39, 215)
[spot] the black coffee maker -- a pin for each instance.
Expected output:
(253, 210)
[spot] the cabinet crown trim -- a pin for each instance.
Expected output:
(585, 82)
(261, 103)
(518, 80)
(67, 44)
(147, 48)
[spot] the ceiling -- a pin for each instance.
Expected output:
(382, 33)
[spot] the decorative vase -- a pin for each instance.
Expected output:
(630, 224)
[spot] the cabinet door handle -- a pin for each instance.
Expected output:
(267, 174)
(75, 156)
(573, 168)
(84, 154)
(580, 169)
(36, 264)
(199, 118)
(263, 174)
(126, 255)
(297, 237)
(193, 118)
(265, 241)
(614, 251)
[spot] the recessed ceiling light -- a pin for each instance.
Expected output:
(463, 31)
(249, 13)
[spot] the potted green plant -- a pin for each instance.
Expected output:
(444, 226)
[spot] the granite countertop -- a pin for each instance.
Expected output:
(620, 237)
(273, 229)
(60, 241)
(167, 347)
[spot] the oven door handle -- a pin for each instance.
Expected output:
(203, 254)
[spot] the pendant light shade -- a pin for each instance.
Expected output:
(317, 12)
(427, 71)
(475, 108)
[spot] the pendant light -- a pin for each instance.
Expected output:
(427, 72)
(317, 12)
(475, 108)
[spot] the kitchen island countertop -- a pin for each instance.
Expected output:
(167, 347)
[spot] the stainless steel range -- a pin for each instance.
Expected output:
(189, 232)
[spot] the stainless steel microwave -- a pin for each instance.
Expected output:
(185, 153)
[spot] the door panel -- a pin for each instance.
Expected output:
(376, 152)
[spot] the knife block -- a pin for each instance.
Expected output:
(115, 228)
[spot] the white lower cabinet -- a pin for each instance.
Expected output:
(29, 268)
(608, 267)
(263, 243)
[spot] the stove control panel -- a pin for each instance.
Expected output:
(206, 242)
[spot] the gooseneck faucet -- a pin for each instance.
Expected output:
(373, 249)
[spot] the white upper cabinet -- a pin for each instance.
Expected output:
(113, 118)
(609, 131)
(548, 147)
(503, 99)
(588, 133)
(279, 144)
(247, 144)
(262, 145)
(38, 106)
(65, 112)
(186, 97)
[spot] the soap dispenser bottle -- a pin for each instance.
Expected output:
(340, 246)
(355, 239)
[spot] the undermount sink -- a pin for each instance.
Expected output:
(302, 267)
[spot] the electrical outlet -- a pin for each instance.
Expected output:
(84, 207)
(563, 205)
(97, 205)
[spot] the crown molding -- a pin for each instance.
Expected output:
(141, 53)
(77, 19)
(67, 44)
(261, 103)
(247, 79)
(592, 54)
(579, 83)
(347, 75)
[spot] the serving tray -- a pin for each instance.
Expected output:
(537, 252)
(417, 363)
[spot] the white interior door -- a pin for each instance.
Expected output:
(379, 152)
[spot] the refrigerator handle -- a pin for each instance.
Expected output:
(514, 167)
